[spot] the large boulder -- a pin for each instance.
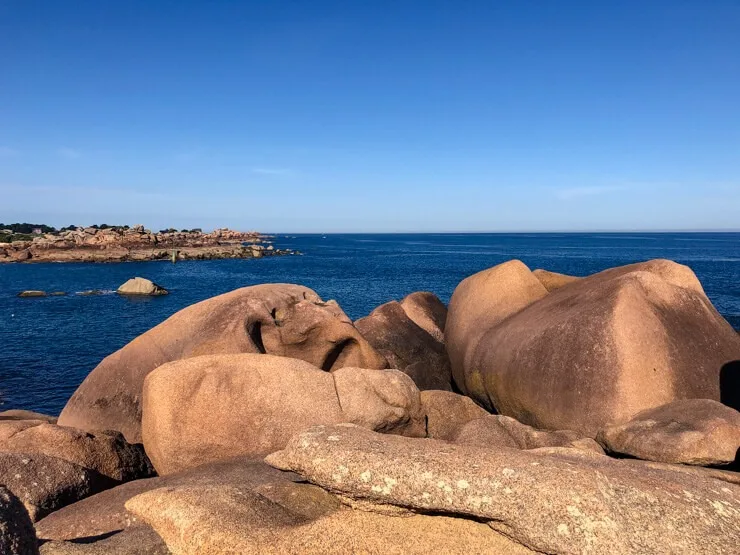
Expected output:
(142, 287)
(278, 319)
(210, 408)
(16, 530)
(407, 346)
(106, 452)
(689, 431)
(45, 484)
(427, 311)
(285, 517)
(551, 504)
(448, 412)
(590, 354)
(135, 540)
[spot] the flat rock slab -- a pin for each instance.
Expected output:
(552, 504)
(690, 431)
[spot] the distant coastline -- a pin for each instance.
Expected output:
(104, 243)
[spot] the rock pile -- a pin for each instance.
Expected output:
(119, 244)
(543, 414)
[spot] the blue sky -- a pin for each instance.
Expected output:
(371, 116)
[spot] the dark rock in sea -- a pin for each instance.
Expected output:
(32, 294)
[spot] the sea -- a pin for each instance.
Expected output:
(48, 345)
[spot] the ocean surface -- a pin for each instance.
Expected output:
(48, 345)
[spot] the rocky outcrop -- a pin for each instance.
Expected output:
(417, 350)
(121, 244)
(212, 408)
(45, 483)
(17, 414)
(136, 540)
(16, 531)
(278, 319)
(141, 286)
(448, 412)
(590, 354)
(105, 452)
(504, 431)
(689, 431)
(551, 504)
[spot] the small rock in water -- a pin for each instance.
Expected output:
(32, 294)
(141, 286)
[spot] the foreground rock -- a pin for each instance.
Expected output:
(141, 286)
(103, 521)
(16, 531)
(406, 345)
(552, 504)
(136, 540)
(607, 346)
(504, 431)
(690, 431)
(210, 408)
(284, 517)
(448, 412)
(278, 319)
(107, 453)
(45, 484)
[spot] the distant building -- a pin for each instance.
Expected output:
(37, 231)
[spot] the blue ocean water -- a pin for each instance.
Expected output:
(48, 345)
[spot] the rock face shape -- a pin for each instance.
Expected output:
(503, 431)
(590, 354)
(141, 286)
(278, 319)
(408, 346)
(552, 504)
(689, 431)
(211, 408)
(284, 517)
(17, 536)
(45, 484)
(107, 453)
(448, 412)
(553, 280)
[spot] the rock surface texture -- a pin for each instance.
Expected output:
(690, 431)
(416, 350)
(551, 504)
(277, 319)
(591, 354)
(210, 408)
(45, 484)
(107, 453)
(17, 536)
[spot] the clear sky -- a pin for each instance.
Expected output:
(423, 115)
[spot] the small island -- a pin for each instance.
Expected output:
(104, 243)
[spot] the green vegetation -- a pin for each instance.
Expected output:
(28, 229)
